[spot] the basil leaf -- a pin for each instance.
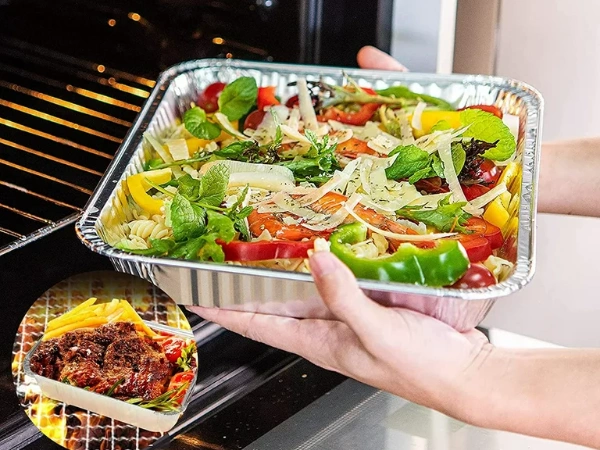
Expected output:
(187, 219)
(195, 122)
(213, 185)
(238, 97)
(410, 160)
(487, 127)
(404, 92)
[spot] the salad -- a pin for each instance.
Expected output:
(401, 186)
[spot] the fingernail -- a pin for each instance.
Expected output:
(322, 263)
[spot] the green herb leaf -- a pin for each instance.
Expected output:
(442, 125)
(238, 97)
(220, 225)
(427, 172)
(410, 160)
(196, 123)
(487, 127)
(153, 164)
(211, 251)
(459, 156)
(446, 217)
(188, 220)
(437, 165)
(187, 354)
(158, 247)
(114, 387)
(213, 185)
(406, 93)
(189, 187)
(236, 150)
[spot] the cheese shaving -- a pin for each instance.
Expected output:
(306, 107)
(490, 195)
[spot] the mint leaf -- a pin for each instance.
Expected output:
(195, 122)
(158, 247)
(420, 174)
(404, 92)
(237, 150)
(188, 249)
(188, 220)
(189, 187)
(213, 185)
(487, 127)
(437, 166)
(220, 225)
(210, 250)
(410, 160)
(446, 217)
(238, 97)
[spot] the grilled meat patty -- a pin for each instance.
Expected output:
(113, 354)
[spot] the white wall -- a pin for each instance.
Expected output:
(555, 46)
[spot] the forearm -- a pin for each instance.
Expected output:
(570, 177)
(553, 394)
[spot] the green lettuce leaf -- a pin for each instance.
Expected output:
(238, 97)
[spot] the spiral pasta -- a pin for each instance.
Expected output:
(152, 228)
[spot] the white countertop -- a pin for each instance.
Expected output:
(562, 303)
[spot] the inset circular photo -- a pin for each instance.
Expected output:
(104, 360)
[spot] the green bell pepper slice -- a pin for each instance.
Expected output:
(442, 265)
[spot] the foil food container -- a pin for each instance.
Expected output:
(120, 410)
(291, 293)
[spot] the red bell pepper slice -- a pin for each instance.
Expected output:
(266, 250)
(266, 97)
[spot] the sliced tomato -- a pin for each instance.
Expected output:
(266, 250)
(266, 97)
(477, 276)
(353, 148)
(254, 119)
(209, 98)
(478, 247)
(178, 380)
(172, 347)
(357, 118)
(473, 191)
(481, 227)
(487, 108)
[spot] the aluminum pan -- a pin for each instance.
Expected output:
(111, 407)
(180, 84)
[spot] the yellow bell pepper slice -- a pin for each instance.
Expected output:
(509, 175)
(430, 118)
(505, 199)
(138, 186)
(496, 214)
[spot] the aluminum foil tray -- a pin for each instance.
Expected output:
(290, 293)
(147, 419)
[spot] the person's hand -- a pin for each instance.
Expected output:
(372, 58)
(395, 349)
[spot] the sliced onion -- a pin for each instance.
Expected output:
(398, 236)
(240, 166)
(306, 107)
(416, 118)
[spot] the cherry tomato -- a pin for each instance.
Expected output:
(172, 347)
(477, 276)
(489, 172)
(209, 98)
(178, 380)
(478, 247)
(431, 185)
(292, 101)
(254, 119)
(487, 108)
(480, 227)
(473, 191)
(266, 97)
(265, 250)
(353, 148)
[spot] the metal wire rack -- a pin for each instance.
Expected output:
(61, 121)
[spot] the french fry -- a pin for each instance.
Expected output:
(62, 321)
(111, 307)
(134, 317)
(74, 311)
(92, 322)
(116, 315)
